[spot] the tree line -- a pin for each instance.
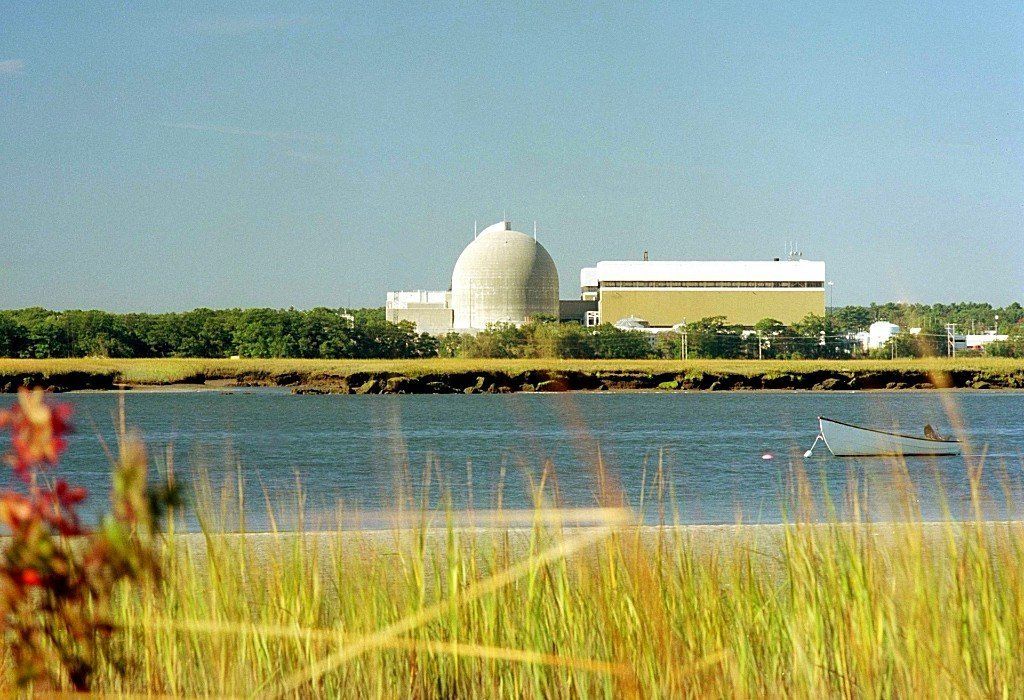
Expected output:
(364, 333)
(711, 338)
(929, 317)
(316, 333)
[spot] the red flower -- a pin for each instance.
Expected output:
(68, 496)
(37, 430)
(31, 577)
(57, 507)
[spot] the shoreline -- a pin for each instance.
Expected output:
(516, 527)
(722, 538)
(459, 376)
(254, 389)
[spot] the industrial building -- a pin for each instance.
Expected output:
(502, 276)
(430, 312)
(505, 276)
(662, 294)
(881, 332)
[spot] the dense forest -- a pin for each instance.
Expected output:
(317, 333)
(364, 333)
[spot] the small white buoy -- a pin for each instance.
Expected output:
(767, 455)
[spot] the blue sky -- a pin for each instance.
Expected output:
(162, 157)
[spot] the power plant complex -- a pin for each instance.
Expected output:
(505, 276)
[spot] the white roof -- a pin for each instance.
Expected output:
(588, 277)
(401, 300)
(704, 271)
(632, 323)
(984, 338)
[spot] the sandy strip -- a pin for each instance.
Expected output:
(701, 538)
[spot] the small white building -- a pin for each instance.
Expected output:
(978, 341)
(430, 311)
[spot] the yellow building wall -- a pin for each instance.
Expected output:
(740, 307)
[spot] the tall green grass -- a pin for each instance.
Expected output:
(460, 604)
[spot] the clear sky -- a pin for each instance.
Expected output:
(163, 157)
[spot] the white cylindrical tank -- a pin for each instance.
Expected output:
(503, 276)
(879, 333)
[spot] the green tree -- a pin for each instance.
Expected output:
(99, 334)
(668, 345)
(13, 335)
(770, 326)
(503, 340)
(573, 341)
(455, 345)
(711, 337)
(613, 343)
(899, 345)
(46, 333)
(1013, 346)
(769, 340)
(264, 333)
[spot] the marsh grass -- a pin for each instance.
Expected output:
(553, 602)
(173, 370)
(562, 603)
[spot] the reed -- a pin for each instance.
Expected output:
(556, 603)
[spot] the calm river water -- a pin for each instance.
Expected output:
(367, 451)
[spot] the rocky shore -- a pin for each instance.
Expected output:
(549, 381)
(543, 379)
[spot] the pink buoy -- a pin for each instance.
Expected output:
(767, 455)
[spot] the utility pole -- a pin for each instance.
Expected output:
(759, 356)
(684, 351)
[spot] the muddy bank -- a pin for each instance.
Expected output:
(538, 380)
(60, 381)
(554, 381)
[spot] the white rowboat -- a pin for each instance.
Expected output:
(846, 440)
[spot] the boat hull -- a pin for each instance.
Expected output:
(845, 440)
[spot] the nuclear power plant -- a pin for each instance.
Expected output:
(505, 276)
(502, 276)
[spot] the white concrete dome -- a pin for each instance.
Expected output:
(503, 276)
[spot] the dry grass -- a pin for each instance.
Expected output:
(443, 608)
(800, 610)
(164, 371)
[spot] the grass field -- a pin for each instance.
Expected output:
(166, 371)
(904, 610)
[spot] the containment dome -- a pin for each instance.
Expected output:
(503, 276)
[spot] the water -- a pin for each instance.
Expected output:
(364, 451)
